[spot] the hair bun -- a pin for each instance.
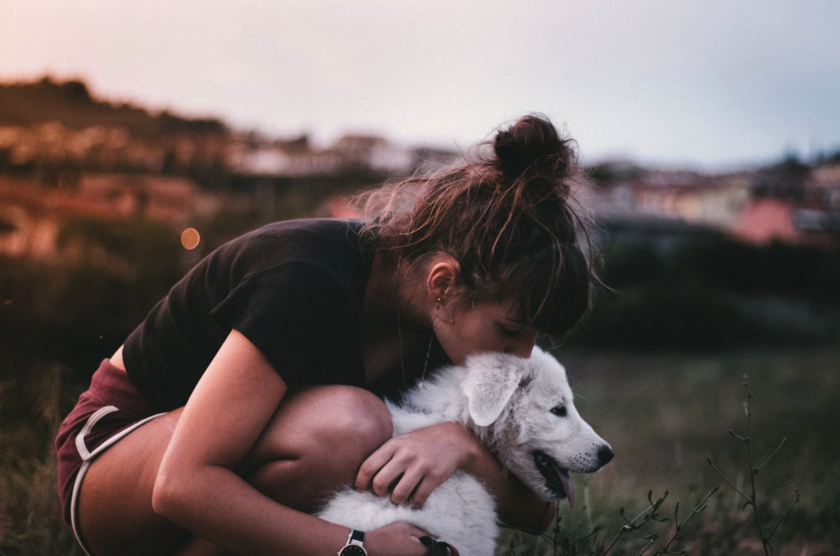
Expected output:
(532, 144)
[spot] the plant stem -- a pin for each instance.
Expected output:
(722, 476)
(784, 441)
(764, 542)
(783, 516)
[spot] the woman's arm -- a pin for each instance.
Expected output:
(197, 489)
(424, 458)
(519, 506)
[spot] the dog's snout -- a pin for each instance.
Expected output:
(605, 454)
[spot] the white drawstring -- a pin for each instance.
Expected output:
(88, 457)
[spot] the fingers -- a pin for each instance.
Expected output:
(417, 532)
(372, 465)
(423, 491)
(397, 538)
(409, 481)
(405, 464)
(414, 538)
(384, 469)
(386, 477)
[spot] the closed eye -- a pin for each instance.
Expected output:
(508, 333)
(559, 410)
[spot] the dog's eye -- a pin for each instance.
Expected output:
(559, 410)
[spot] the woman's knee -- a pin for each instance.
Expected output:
(357, 419)
(316, 420)
(316, 443)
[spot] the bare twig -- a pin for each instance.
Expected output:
(583, 538)
(621, 532)
(765, 543)
(770, 536)
(680, 526)
(647, 546)
(741, 438)
(651, 513)
(645, 537)
(752, 500)
(784, 441)
(722, 476)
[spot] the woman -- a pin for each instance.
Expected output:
(265, 362)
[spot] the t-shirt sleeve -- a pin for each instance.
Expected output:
(291, 315)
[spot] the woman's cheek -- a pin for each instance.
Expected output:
(452, 345)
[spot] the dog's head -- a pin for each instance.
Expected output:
(523, 410)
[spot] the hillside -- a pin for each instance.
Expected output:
(70, 102)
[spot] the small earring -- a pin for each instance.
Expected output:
(439, 302)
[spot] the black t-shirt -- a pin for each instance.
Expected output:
(295, 289)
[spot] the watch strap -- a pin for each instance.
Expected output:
(355, 544)
(356, 535)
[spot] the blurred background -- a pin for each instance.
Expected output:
(135, 139)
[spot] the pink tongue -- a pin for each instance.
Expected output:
(569, 487)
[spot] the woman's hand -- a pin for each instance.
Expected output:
(395, 539)
(418, 462)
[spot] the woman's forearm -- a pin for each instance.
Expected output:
(216, 504)
(518, 505)
(195, 486)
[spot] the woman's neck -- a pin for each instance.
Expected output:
(395, 319)
(396, 292)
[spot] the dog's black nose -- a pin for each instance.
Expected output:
(605, 454)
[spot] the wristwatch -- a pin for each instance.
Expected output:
(355, 544)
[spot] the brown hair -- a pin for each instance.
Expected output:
(505, 217)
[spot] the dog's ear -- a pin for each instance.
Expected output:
(491, 381)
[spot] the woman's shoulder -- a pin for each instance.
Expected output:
(306, 232)
(332, 245)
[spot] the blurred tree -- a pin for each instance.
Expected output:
(785, 180)
(76, 90)
(78, 312)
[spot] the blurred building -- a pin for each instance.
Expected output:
(708, 200)
(773, 204)
(249, 155)
(350, 154)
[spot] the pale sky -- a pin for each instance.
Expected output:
(712, 83)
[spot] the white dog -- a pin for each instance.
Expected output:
(523, 412)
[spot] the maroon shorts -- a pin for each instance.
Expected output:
(109, 410)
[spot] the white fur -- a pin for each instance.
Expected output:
(507, 402)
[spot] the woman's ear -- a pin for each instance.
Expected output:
(490, 383)
(444, 273)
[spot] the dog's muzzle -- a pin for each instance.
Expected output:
(557, 479)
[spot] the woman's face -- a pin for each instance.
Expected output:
(484, 327)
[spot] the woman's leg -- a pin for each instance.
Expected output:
(313, 445)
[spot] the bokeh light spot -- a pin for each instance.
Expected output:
(190, 238)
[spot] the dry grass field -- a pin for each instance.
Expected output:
(663, 415)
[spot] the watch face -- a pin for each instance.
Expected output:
(352, 550)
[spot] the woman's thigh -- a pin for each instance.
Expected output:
(318, 434)
(115, 502)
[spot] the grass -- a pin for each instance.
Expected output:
(663, 415)
(30, 516)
